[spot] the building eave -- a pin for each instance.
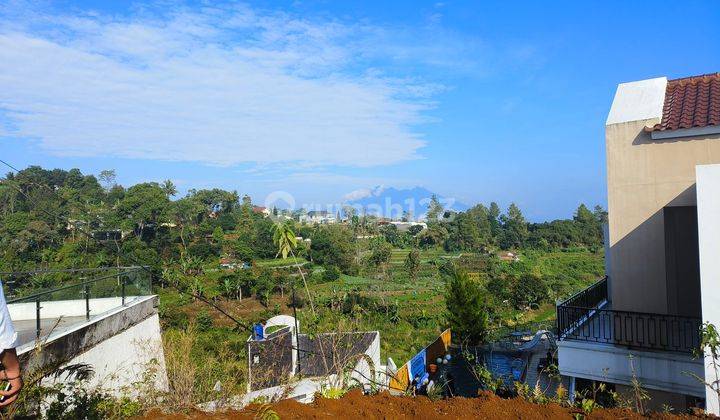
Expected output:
(685, 132)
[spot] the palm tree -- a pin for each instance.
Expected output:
(168, 188)
(286, 241)
(284, 238)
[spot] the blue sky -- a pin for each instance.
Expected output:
(479, 101)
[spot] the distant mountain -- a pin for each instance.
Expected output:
(393, 202)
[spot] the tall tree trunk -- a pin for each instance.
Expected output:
(312, 305)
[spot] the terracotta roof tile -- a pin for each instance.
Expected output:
(690, 102)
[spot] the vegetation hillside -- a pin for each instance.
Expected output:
(361, 274)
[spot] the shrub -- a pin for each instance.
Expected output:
(412, 263)
(296, 301)
(204, 320)
(264, 286)
(331, 273)
(528, 290)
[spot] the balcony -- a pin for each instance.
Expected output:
(585, 317)
(603, 344)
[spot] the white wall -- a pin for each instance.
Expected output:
(124, 358)
(363, 372)
(708, 205)
(663, 371)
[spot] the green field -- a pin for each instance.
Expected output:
(408, 313)
(421, 303)
(279, 262)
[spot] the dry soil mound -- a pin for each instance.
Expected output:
(354, 405)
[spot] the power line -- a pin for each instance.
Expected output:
(143, 267)
(122, 255)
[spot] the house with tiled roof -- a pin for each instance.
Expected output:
(642, 321)
(261, 210)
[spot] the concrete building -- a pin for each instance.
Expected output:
(662, 245)
(405, 226)
(321, 217)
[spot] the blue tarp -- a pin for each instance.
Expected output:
(258, 332)
(417, 365)
(506, 366)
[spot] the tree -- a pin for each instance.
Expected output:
(246, 225)
(334, 245)
(435, 209)
(494, 219)
(233, 284)
(331, 273)
(284, 238)
(144, 204)
(514, 228)
(107, 177)
(528, 290)
(262, 243)
(391, 234)
(463, 234)
(203, 250)
(286, 241)
(264, 286)
(349, 211)
(589, 226)
(218, 235)
(415, 229)
(468, 311)
(169, 188)
(710, 351)
(185, 213)
(380, 252)
(216, 199)
(412, 263)
(436, 234)
(243, 251)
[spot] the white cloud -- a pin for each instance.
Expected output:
(217, 86)
(357, 194)
(364, 193)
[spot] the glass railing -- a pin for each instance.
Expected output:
(93, 292)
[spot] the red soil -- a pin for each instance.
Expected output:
(384, 406)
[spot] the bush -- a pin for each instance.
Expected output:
(296, 301)
(499, 288)
(243, 250)
(528, 290)
(331, 273)
(264, 286)
(204, 320)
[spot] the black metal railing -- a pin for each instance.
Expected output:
(592, 297)
(585, 300)
(631, 329)
(117, 282)
(582, 318)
